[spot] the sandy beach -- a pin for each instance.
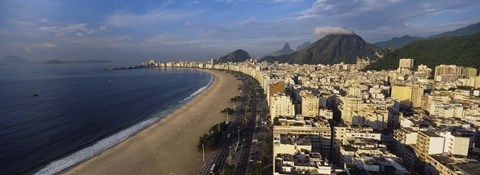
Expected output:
(170, 145)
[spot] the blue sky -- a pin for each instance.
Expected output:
(135, 30)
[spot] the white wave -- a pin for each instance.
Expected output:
(198, 91)
(100, 146)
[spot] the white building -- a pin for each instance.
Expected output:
(281, 104)
(310, 103)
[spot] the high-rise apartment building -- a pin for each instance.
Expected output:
(408, 95)
(348, 107)
(405, 63)
(470, 72)
(281, 104)
(428, 143)
(310, 103)
(274, 88)
(449, 70)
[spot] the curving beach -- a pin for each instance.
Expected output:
(170, 145)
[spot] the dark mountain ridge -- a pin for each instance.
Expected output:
(331, 49)
(235, 56)
(283, 51)
(398, 42)
(468, 30)
(303, 45)
(10, 59)
(461, 51)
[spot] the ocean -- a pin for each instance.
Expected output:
(54, 116)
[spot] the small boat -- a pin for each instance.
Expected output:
(35, 95)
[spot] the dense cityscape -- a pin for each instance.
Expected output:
(338, 119)
(240, 87)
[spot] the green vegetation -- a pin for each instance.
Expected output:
(461, 51)
(276, 121)
(210, 140)
(398, 42)
(263, 163)
(227, 110)
(227, 170)
(330, 49)
(236, 98)
(264, 166)
(235, 56)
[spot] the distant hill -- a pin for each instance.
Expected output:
(303, 45)
(398, 42)
(283, 51)
(331, 49)
(10, 59)
(462, 51)
(468, 30)
(235, 56)
(78, 61)
(404, 40)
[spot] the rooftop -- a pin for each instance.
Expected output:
(468, 168)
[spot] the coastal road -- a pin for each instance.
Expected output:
(241, 166)
(217, 159)
(219, 156)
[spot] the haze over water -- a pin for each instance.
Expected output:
(78, 105)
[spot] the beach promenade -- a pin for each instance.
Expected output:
(170, 145)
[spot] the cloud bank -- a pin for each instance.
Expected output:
(200, 29)
(322, 31)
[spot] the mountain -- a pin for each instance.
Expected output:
(303, 45)
(398, 42)
(283, 51)
(235, 56)
(78, 61)
(404, 40)
(462, 51)
(331, 49)
(468, 30)
(13, 60)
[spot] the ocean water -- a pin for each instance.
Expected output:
(80, 110)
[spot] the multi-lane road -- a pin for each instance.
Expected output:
(241, 166)
(230, 140)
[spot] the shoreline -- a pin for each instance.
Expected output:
(71, 160)
(141, 146)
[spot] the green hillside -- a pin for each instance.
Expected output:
(330, 49)
(398, 42)
(235, 56)
(462, 51)
(464, 31)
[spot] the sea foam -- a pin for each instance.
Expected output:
(198, 91)
(101, 145)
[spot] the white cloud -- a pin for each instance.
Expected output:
(321, 31)
(98, 42)
(45, 20)
(158, 16)
(49, 45)
(103, 28)
(163, 39)
(260, 1)
(38, 46)
(24, 23)
(374, 14)
(79, 29)
(28, 49)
